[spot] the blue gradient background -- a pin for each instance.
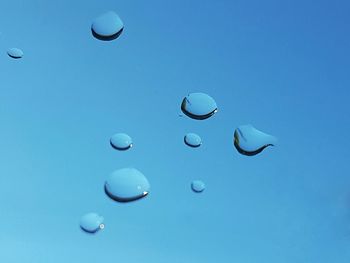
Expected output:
(282, 66)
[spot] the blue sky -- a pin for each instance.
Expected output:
(281, 66)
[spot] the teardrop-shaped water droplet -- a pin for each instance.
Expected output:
(107, 26)
(250, 141)
(193, 140)
(198, 186)
(91, 222)
(199, 106)
(127, 184)
(15, 53)
(121, 141)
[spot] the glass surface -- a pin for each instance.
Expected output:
(282, 66)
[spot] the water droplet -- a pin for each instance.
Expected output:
(15, 53)
(127, 184)
(192, 140)
(199, 106)
(250, 141)
(107, 26)
(121, 141)
(198, 186)
(91, 222)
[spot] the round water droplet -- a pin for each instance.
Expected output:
(107, 26)
(199, 106)
(91, 222)
(250, 141)
(197, 186)
(121, 141)
(15, 53)
(192, 140)
(127, 184)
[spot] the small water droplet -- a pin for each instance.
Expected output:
(107, 26)
(15, 53)
(91, 222)
(121, 141)
(127, 184)
(193, 140)
(250, 141)
(198, 186)
(199, 106)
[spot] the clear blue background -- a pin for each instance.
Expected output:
(282, 66)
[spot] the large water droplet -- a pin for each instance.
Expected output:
(15, 53)
(127, 184)
(198, 106)
(193, 140)
(198, 186)
(250, 141)
(107, 26)
(121, 141)
(91, 222)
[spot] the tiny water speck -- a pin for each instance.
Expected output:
(15, 53)
(197, 186)
(250, 141)
(127, 184)
(121, 141)
(199, 106)
(91, 222)
(193, 140)
(107, 26)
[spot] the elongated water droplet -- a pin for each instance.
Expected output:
(127, 184)
(198, 186)
(15, 53)
(91, 222)
(121, 141)
(250, 141)
(199, 106)
(193, 140)
(107, 26)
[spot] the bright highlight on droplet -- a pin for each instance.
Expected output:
(192, 140)
(121, 141)
(198, 186)
(15, 53)
(127, 184)
(91, 222)
(250, 141)
(199, 106)
(107, 26)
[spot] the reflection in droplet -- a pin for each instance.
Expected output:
(127, 184)
(15, 53)
(198, 186)
(121, 141)
(193, 140)
(107, 26)
(250, 141)
(91, 222)
(199, 106)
